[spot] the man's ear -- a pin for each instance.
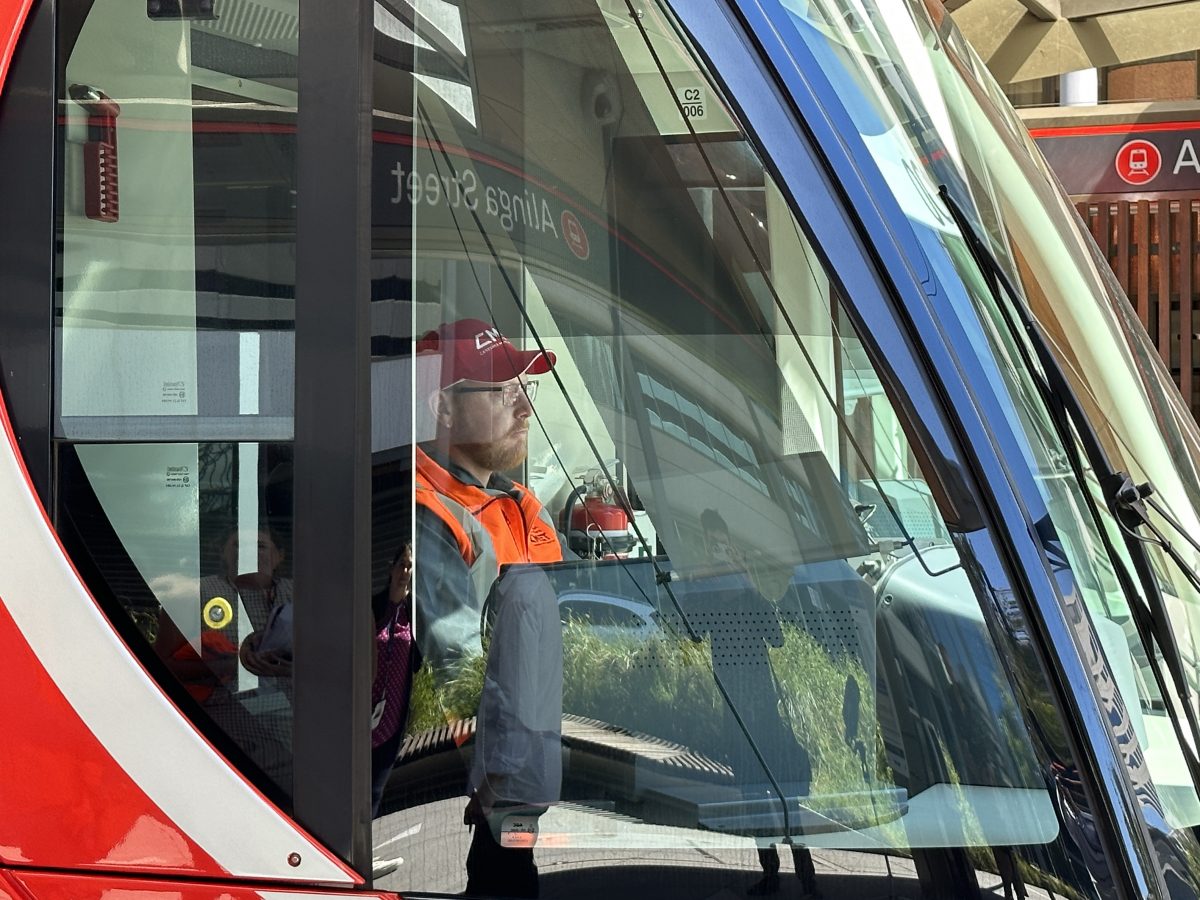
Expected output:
(439, 405)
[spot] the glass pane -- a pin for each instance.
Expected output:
(177, 236)
(192, 541)
(175, 356)
(690, 598)
(928, 126)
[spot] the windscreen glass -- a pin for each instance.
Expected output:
(931, 116)
(682, 612)
(663, 597)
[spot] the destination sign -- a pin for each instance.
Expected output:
(1116, 160)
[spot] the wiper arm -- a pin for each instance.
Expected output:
(1123, 498)
(1132, 500)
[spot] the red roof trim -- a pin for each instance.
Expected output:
(1124, 128)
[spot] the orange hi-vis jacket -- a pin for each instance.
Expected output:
(492, 528)
(509, 526)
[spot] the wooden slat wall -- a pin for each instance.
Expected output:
(1153, 250)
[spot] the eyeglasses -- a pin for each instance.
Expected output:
(508, 392)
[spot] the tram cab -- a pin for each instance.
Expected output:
(876, 508)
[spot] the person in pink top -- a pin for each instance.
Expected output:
(395, 662)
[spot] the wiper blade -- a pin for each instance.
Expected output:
(1151, 619)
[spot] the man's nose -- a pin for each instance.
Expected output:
(522, 409)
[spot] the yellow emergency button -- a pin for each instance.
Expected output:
(217, 613)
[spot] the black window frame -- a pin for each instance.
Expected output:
(332, 537)
(28, 148)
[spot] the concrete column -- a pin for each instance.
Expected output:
(1079, 88)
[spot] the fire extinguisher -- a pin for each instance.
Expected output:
(597, 528)
(101, 192)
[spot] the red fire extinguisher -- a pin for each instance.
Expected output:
(597, 528)
(101, 193)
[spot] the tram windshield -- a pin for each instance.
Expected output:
(756, 576)
(744, 629)
(931, 116)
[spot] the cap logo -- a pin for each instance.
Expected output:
(487, 339)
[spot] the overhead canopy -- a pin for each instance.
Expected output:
(1025, 39)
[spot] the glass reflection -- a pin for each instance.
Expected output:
(743, 622)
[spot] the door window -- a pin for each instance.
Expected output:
(174, 349)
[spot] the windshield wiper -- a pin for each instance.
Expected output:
(1132, 500)
(1125, 501)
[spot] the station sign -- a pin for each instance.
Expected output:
(486, 204)
(1119, 159)
(473, 202)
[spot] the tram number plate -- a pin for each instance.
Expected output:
(693, 101)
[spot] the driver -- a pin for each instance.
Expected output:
(471, 519)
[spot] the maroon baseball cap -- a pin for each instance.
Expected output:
(474, 350)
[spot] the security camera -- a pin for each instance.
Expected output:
(601, 100)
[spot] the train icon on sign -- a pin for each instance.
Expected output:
(574, 235)
(1138, 162)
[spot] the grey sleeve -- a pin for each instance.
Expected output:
(446, 610)
(518, 738)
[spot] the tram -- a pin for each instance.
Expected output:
(878, 511)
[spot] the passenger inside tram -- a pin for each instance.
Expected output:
(395, 658)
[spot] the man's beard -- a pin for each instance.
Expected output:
(497, 456)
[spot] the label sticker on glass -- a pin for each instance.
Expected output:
(693, 100)
(174, 392)
(178, 476)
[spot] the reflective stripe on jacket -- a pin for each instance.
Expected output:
(491, 528)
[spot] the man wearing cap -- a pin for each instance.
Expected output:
(471, 520)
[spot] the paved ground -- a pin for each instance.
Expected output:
(684, 865)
